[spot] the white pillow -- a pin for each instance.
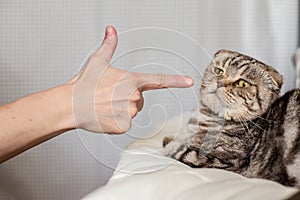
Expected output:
(143, 173)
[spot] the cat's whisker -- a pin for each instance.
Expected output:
(264, 119)
(246, 120)
(244, 125)
(256, 125)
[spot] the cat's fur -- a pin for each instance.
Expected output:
(244, 128)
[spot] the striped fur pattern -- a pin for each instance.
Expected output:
(242, 125)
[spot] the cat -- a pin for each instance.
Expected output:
(242, 124)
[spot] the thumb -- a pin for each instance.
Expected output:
(109, 43)
(158, 81)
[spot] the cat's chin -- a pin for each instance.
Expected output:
(229, 116)
(226, 114)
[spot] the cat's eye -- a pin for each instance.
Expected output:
(218, 71)
(242, 83)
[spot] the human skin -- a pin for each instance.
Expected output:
(99, 98)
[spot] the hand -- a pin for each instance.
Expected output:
(105, 99)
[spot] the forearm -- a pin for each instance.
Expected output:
(34, 119)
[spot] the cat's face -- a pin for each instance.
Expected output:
(238, 87)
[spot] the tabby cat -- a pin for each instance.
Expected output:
(242, 124)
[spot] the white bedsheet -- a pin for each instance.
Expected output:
(143, 173)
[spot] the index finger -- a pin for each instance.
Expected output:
(159, 81)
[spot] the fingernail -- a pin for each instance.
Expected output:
(189, 81)
(108, 31)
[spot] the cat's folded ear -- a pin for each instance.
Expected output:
(222, 52)
(275, 76)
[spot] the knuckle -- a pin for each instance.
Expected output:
(93, 57)
(119, 131)
(120, 128)
(126, 126)
(161, 80)
(123, 124)
(136, 96)
(132, 110)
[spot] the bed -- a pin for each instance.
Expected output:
(144, 173)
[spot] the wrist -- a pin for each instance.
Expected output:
(64, 108)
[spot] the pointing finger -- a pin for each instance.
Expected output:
(158, 81)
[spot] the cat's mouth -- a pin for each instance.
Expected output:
(214, 101)
(217, 92)
(216, 98)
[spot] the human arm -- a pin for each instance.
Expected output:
(99, 98)
(34, 119)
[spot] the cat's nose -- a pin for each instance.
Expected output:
(220, 84)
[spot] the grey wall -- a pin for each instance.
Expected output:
(43, 43)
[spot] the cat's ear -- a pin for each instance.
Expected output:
(276, 77)
(222, 52)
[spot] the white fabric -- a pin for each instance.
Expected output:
(144, 173)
